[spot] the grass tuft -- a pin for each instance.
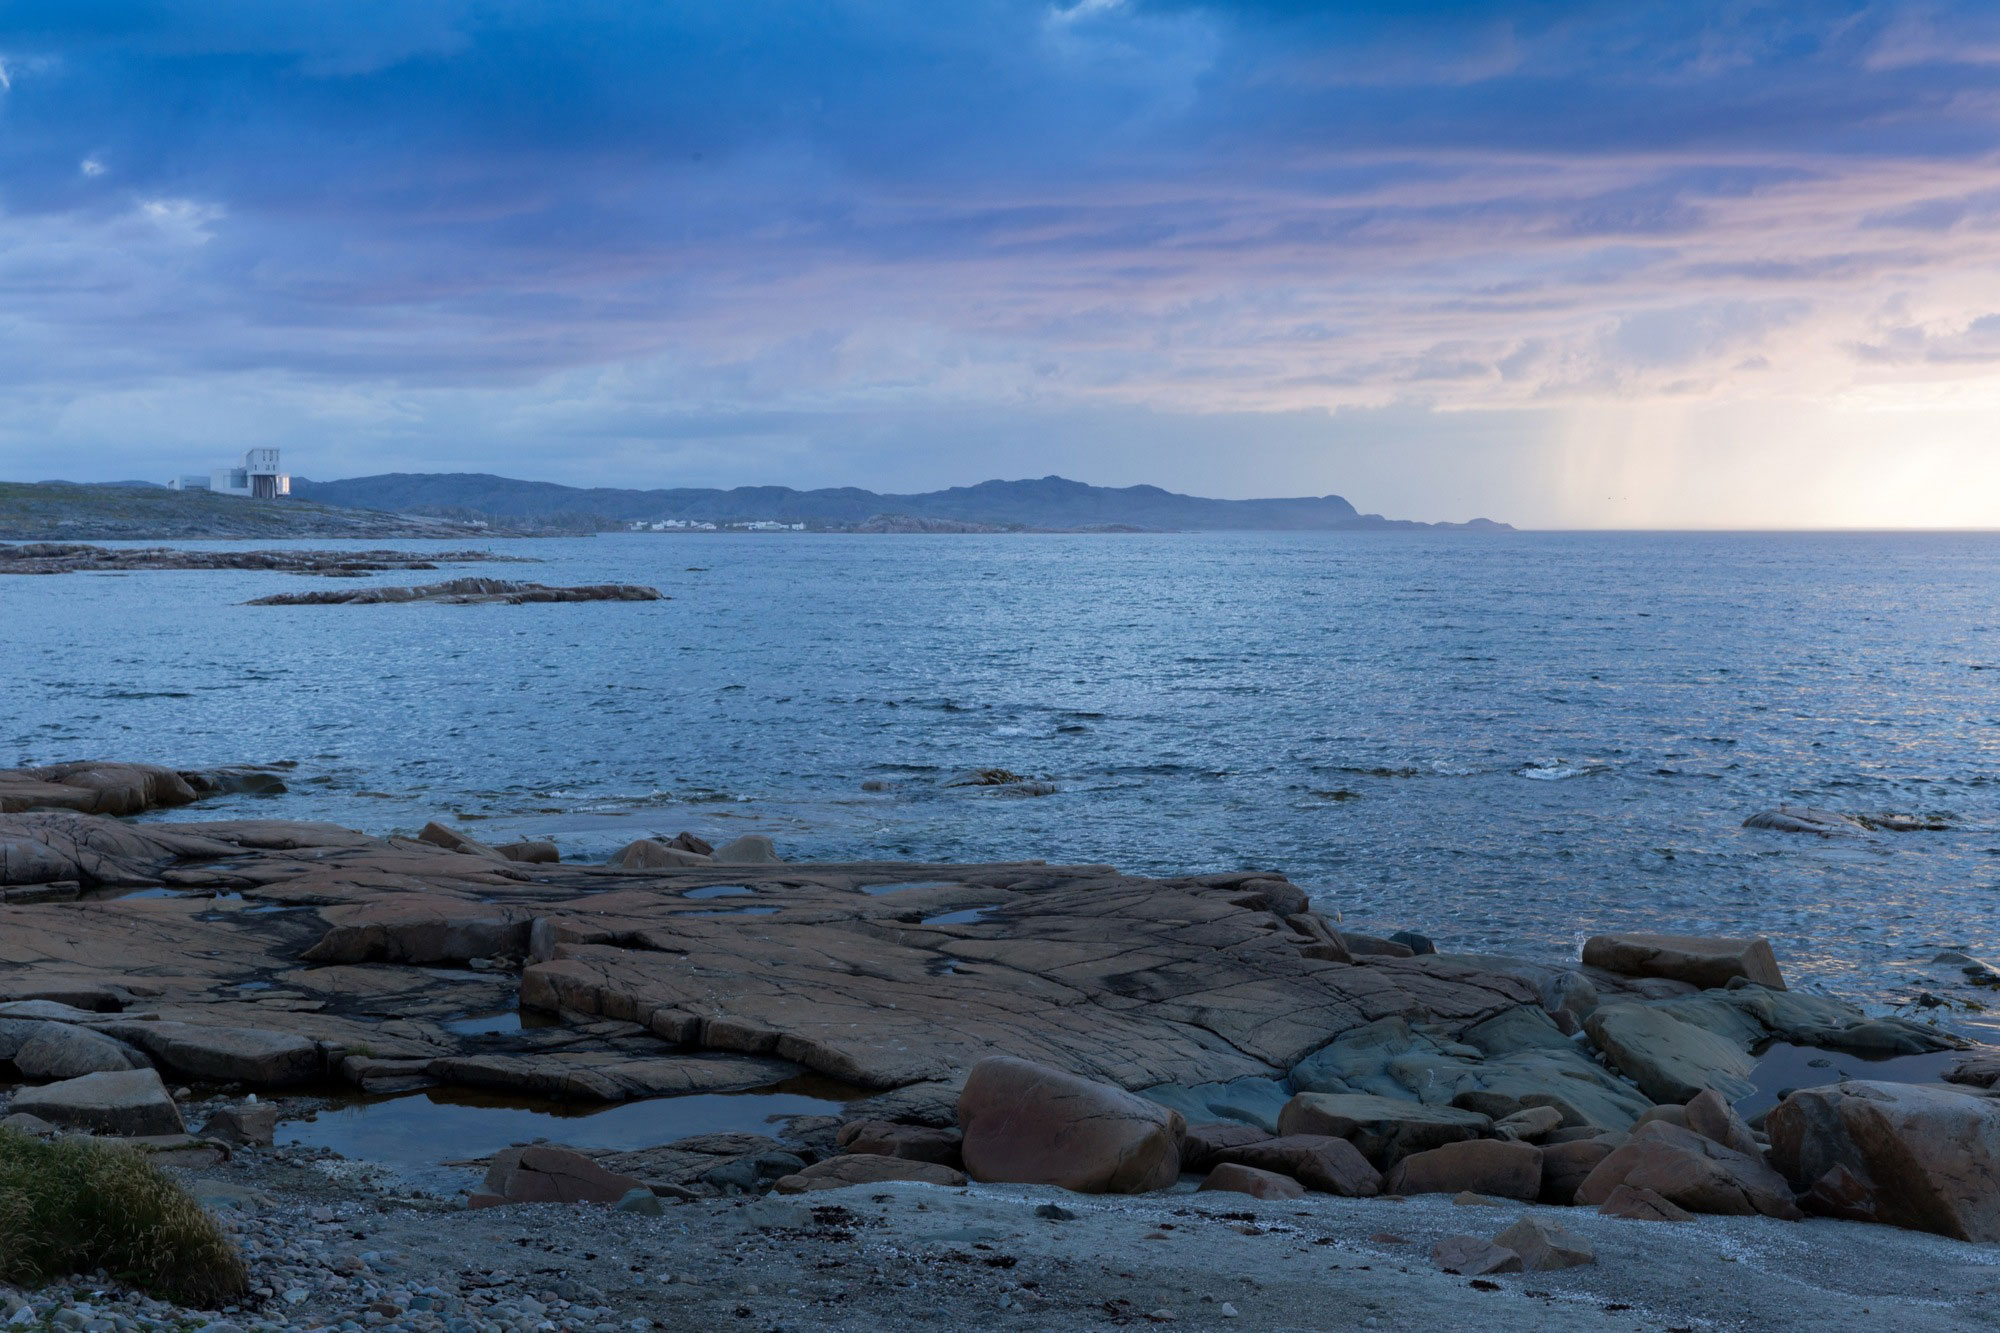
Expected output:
(75, 1206)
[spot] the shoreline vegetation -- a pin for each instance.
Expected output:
(455, 505)
(1053, 1091)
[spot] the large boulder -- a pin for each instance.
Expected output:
(1032, 1124)
(251, 1125)
(449, 838)
(1545, 1245)
(1702, 961)
(127, 1103)
(1711, 1117)
(542, 1174)
(1474, 1256)
(61, 1050)
(1642, 1205)
(1530, 1124)
(752, 849)
(1385, 1129)
(1203, 1145)
(1926, 1157)
(1253, 1181)
(16, 1033)
(916, 1143)
(1484, 1166)
(650, 854)
(1565, 1166)
(1317, 1161)
(865, 1169)
(1695, 1172)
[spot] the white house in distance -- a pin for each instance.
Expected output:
(697, 525)
(256, 478)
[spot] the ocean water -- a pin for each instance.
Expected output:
(1508, 743)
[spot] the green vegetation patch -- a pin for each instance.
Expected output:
(75, 1206)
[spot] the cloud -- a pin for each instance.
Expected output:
(787, 230)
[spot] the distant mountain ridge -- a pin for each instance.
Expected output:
(1047, 503)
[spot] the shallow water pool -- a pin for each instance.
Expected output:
(417, 1134)
(1783, 1067)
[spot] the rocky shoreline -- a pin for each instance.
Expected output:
(73, 558)
(991, 1033)
(68, 512)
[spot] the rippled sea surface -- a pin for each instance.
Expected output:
(1505, 742)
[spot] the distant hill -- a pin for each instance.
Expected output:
(1051, 503)
(70, 512)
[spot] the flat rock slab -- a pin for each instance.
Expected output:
(1137, 982)
(124, 1104)
(594, 1075)
(285, 951)
(61, 1050)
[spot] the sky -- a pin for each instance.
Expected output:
(1577, 264)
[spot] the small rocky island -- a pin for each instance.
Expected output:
(1069, 1095)
(465, 592)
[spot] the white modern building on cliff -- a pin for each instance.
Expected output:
(256, 478)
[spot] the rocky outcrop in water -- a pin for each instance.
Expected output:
(1704, 963)
(1834, 824)
(99, 787)
(465, 592)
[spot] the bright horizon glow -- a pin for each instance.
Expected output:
(1571, 265)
